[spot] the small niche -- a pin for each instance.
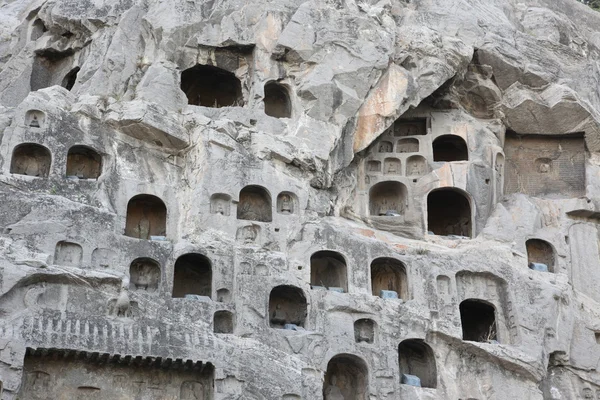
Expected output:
(277, 101)
(31, 159)
(346, 378)
(387, 199)
(193, 276)
(392, 166)
(450, 148)
(287, 307)
(223, 322)
(448, 213)
(223, 295)
(286, 203)
(35, 119)
(220, 203)
(374, 166)
(540, 254)
(408, 145)
(104, 258)
(83, 163)
(389, 275)
(385, 147)
(146, 217)
(410, 127)
(254, 204)
(328, 269)
(209, 86)
(478, 319)
(416, 359)
(364, 330)
(144, 274)
(416, 166)
(68, 253)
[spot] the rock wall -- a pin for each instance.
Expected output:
(285, 199)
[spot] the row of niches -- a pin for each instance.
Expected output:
(254, 204)
(35, 160)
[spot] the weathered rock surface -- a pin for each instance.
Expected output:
(285, 199)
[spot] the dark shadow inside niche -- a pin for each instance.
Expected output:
(35, 119)
(387, 199)
(31, 159)
(450, 148)
(209, 86)
(51, 67)
(540, 252)
(146, 217)
(277, 101)
(84, 163)
(410, 127)
(416, 358)
(287, 306)
(223, 322)
(223, 295)
(347, 378)
(286, 203)
(389, 274)
(328, 269)
(192, 276)
(448, 213)
(69, 80)
(220, 203)
(364, 330)
(144, 274)
(478, 319)
(255, 204)
(407, 145)
(416, 166)
(68, 253)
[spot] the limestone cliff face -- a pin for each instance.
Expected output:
(286, 199)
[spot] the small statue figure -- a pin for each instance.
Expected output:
(286, 204)
(34, 123)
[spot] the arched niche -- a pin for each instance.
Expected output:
(192, 276)
(209, 86)
(385, 147)
(84, 163)
(412, 127)
(277, 101)
(449, 213)
(35, 119)
(407, 145)
(68, 253)
(392, 166)
(478, 320)
(540, 252)
(364, 330)
(328, 269)
(287, 203)
(347, 377)
(146, 217)
(416, 358)
(287, 306)
(416, 166)
(31, 159)
(223, 322)
(450, 148)
(389, 274)
(255, 204)
(387, 199)
(374, 166)
(220, 203)
(144, 274)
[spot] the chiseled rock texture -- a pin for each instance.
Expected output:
(474, 125)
